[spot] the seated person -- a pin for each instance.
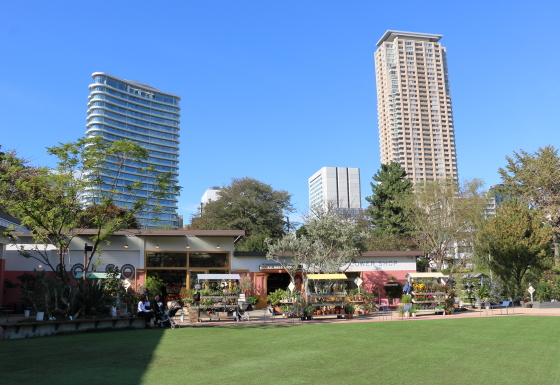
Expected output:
(143, 311)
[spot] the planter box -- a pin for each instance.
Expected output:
(39, 329)
(546, 305)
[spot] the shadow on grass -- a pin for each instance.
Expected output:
(89, 357)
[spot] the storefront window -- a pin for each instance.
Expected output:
(166, 260)
(208, 260)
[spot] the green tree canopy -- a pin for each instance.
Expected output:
(50, 202)
(388, 210)
(250, 205)
(535, 178)
(446, 215)
(516, 241)
(96, 215)
(328, 244)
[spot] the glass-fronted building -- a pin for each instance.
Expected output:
(124, 109)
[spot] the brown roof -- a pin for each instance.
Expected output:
(408, 253)
(163, 233)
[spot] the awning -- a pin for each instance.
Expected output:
(425, 275)
(327, 276)
(218, 277)
(92, 275)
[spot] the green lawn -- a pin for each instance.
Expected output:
(494, 350)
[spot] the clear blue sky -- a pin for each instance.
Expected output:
(275, 90)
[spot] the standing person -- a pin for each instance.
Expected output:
(143, 312)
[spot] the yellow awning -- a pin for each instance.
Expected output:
(327, 276)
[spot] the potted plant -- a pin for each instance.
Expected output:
(274, 299)
(253, 300)
(350, 308)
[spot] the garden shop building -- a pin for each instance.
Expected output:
(179, 256)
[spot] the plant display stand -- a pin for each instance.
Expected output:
(428, 292)
(471, 287)
(324, 297)
(219, 303)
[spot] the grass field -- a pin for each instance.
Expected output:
(494, 350)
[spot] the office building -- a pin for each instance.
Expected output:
(124, 109)
(210, 195)
(335, 189)
(414, 105)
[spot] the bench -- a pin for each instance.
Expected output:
(504, 305)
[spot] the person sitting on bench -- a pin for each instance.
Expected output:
(143, 312)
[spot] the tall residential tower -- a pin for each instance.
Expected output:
(123, 109)
(414, 105)
(335, 189)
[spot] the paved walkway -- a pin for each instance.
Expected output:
(258, 317)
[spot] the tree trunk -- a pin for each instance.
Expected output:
(555, 243)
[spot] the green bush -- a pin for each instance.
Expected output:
(276, 296)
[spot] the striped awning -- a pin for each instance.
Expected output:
(327, 276)
(218, 277)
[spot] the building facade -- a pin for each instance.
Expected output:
(177, 257)
(210, 195)
(335, 189)
(416, 127)
(123, 109)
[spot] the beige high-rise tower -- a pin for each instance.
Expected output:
(414, 105)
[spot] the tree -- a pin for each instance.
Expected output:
(96, 214)
(328, 244)
(535, 178)
(516, 241)
(50, 202)
(250, 205)
(445, 215)
(388, 210)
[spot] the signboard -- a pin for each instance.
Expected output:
(358, 281)
(291, 286)
(274, 267)
(383, 264)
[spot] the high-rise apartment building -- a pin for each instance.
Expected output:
(123, 109)
(414, 105)
(335, 189)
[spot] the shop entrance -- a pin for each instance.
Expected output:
(277, 281)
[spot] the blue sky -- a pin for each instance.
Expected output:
(275, 90)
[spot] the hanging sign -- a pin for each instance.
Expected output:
(291, 286)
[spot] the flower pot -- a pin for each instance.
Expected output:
(350, 315)
(413, 315)
(26, 313)
(40, 315)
